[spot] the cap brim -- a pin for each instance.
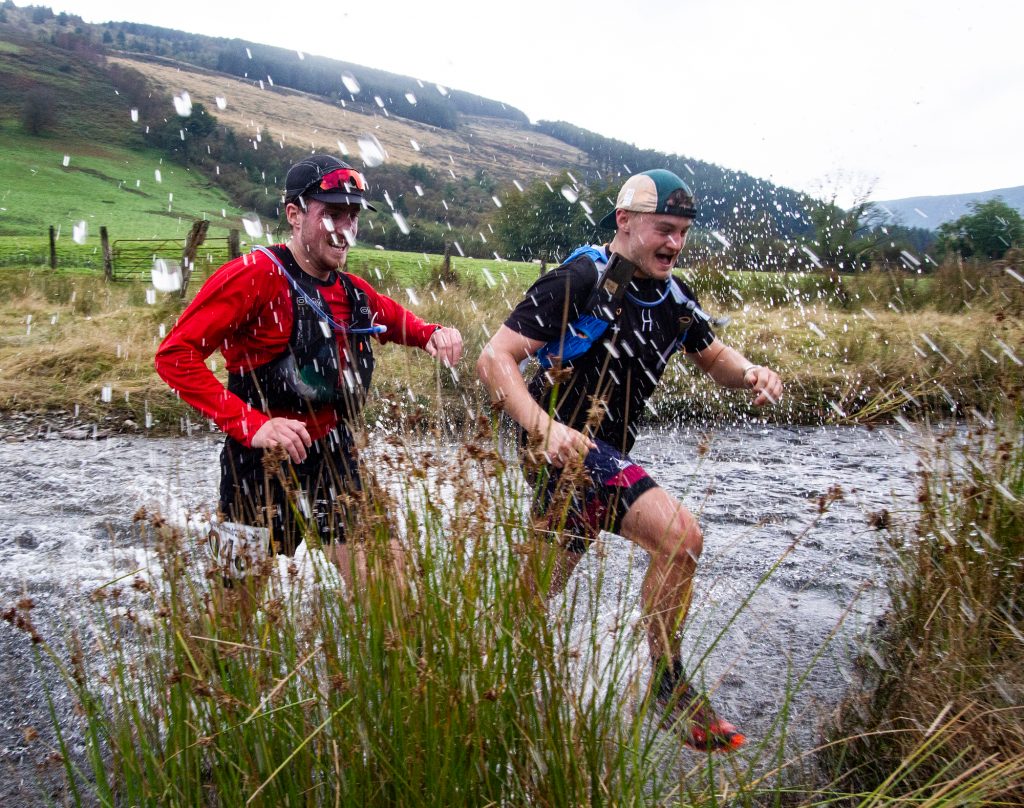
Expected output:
(608, 222)
(340, 198)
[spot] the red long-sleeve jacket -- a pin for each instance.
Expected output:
(245, 310)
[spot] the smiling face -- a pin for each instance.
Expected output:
(322, 234)
(652, 241)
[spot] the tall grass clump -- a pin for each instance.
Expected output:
(438, 682)
(942, 709)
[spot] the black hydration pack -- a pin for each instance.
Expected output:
(309, 373)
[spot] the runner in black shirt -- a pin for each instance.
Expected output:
(596, 399)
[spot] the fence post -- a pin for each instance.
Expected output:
(53, 247)
(234, 248)
(196, 236)
(108, 258)
(543, 265)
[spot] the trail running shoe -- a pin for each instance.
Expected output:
(689, 713)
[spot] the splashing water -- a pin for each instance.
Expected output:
(442, 89)
(106, 394)
(166, 275)
(721, 239)
(519, 186)
(400, 221)
(488, 277)
(135, 115)
(79, 232)
(67, 160)
(158, 176)
(350, 83)
(410, 98)
(414, 144)
(183, 105)
(371, 151)
(570, 193)
(418, 189)
(151, 297)
(222, 102)
(252, 224)
(413, 298)
(496, 201)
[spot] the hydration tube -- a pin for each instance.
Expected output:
(373, 329)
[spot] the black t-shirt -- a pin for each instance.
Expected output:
(626, 363)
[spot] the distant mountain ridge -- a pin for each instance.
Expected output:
(931, 211)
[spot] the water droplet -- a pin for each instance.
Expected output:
(79, 232)
(135, 116)
(343, 149)
(222, 102)
(415, 145)
(157, 176)
(379, 101)
(488, 277)
(106, 394)
(400, 221)
(442, 89)
(350, 82)
(410, 98)
(570, 193)
(721, 239)
(518, 185)
(166, 277)
(67, 160)
(411, 294)
(248, 53)
(371, 151)
(183, 105)
(496, 201)
(252, 224)
(151, 297)
(419, 190)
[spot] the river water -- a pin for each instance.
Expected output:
(67, 507)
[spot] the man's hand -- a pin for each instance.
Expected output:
(563, 443)
(445, 344)
(765, 382)
(289, 434)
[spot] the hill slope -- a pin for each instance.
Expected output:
(498, 146)
(436, 162)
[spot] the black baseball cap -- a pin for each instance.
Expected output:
(326, 179)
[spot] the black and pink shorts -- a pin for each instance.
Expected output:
(613, 484)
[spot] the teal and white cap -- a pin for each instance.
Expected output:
(654, 191)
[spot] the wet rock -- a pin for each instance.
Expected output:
(76, 433)
(27, 541)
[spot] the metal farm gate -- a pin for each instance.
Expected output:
(132, 259)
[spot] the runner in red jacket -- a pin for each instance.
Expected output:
(294, 330)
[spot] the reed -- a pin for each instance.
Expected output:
(942, 683)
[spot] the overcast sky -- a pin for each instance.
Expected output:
(896, 98)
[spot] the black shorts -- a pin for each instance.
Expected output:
(298, 496)
(611, 486)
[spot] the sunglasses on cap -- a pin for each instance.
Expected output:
(342, 179)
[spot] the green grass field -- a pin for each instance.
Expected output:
(48, 182)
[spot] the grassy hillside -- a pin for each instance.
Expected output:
(86, 162)
(59, 181)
